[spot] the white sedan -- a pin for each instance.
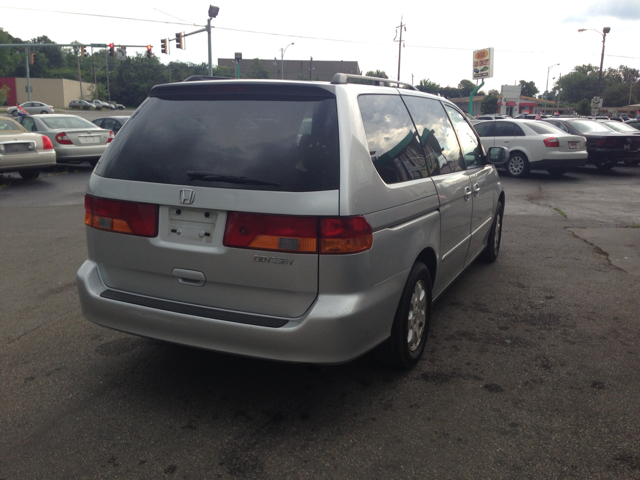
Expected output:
(31, 108)
(22, 151)
(534, 145)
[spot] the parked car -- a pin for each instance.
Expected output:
(116, 106)
(634, 122)
(31, 107)
(24, 152)
(82, 105)
(491, 117)
(74, 138)
(99, 104)
(111, 123)
(623, 128)
(211, 223)
(534, 145)
(606, 148)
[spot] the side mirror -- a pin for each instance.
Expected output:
(498, 156)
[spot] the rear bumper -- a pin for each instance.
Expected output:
(559, 162)
(73, 152)
(597, 156)
(336, 329)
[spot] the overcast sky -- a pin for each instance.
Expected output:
(440, 36)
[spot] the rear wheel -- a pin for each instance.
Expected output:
(492, 249)
(605, 165)
(15, 113)
(411, 323)
(557, 171)
(29, 174)
(44, 111)
(518, 165)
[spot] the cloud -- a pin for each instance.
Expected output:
(620, 9)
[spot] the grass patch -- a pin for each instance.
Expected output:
(560, 212)
(633, 226)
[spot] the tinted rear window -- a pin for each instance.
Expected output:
(543, 128)
(589, 126)
(274, 143)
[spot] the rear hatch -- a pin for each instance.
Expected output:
(227, 183)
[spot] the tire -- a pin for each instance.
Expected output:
(557, 171)
(44, 111)
(410, 326)
(518, 165)
(491, 251)
(120, 108)
(605, 165)
(31, 174)
(15, 113)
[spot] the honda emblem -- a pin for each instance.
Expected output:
(187, 196)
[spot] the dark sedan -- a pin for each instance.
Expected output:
(606, 148)
(111, 123)
(634, 122)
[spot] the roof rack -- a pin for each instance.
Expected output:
(199, 78)
(343, 79)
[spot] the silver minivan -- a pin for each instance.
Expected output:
(293, 221)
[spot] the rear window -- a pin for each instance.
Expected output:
(256, 142)
(66, 122)
(588, 126)
(544, 128)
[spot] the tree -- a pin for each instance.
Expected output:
(4, 93)
(466, 87)
(376, 73)
(428, 86)
(489, 104)
(529, 89)
(583, 107)
(258, 70)
(579, 83)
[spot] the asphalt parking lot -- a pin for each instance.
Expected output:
(531, 369)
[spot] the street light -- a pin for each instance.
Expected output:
(605, 30)
(546, 90)
(282, 51)
(213, 13)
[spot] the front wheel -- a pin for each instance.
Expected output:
(518, 165)
(44, 111)
(411, 323)
(15, 113)
(492, 249)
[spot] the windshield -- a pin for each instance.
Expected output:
(589, 126)
(248, 142)
(620, 127)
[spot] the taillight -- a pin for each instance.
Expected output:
(345, 235)
(46, 143)
(111, 136)
(62, 139)
(122, 217)
(298, 234)
(605, 142)
(551, 142)
(271, 232)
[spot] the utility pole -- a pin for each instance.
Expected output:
(28, 79)
(401, 27)
(106, 59)
(310, 67)
(95, 80)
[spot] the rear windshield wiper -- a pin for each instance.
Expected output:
(213, 177)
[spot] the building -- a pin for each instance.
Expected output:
(53, 91)
(510, 102)
(320, 70)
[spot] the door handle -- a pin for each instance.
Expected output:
(467, 193)
(476, 189)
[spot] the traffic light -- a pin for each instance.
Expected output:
(149, 54)
(180, 40)
(112, 51)
(164, 44)
(82, 51)
(32, 58)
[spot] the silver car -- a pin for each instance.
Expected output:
(293, 221)
(74, 138)
(24, 152)
(31, 108)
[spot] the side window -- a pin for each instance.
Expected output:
(29, 124)
(469, 143)
(484, 129)
(518, 131)
(110, 124)
(436, 135)
(393, 144)
(560, 125)
(505, 129)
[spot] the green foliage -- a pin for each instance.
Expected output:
(583, 107)
(258, 70)
(529, 89)
(376, 73)
(464, 89)
(4, 93)
(428, 86)
(489, 104)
